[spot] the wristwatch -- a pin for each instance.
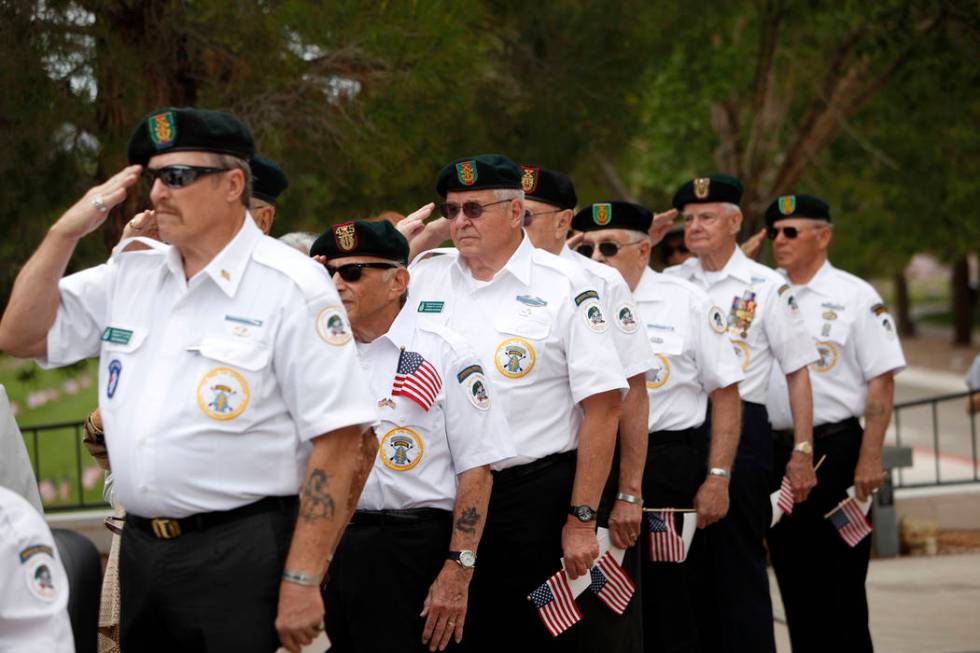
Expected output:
(583, 513)
(805, 448)
(465, 559)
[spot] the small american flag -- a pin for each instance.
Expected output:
(785, 501)
(611, 584)
(850, 522)
(666, 544)
(555, 604)
(416, 379)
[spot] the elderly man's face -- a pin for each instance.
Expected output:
(710, 227)
(811, 238)
(489, 233)
(546, 225)
(373, 292)
(632, 251)
(185, 214)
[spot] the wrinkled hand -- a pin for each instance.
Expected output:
(143, 225)
(711, 501)
(91, 211)
(868, 475)
(624, 524)
(300, 617)
(576, 240)
(444, 608)
(662, 222)
(753, 246)
(580, 547)
(799, 471)
(422, 236)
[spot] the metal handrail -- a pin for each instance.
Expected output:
(933, 404)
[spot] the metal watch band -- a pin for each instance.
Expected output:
(719, 471)
(299, 578)
(629, 498)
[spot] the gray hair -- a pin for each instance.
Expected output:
(231, 162)
(508, 194)
(730, 208)
(299, 240)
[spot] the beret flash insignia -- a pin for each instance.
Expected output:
(787, 204)
(529, 179)
(345, 236)
(602, 213)
(466, 172)
(163, 129)
(702, 186)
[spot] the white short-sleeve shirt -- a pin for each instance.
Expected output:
(694, 356)
(33, 584)
(210, 389)
(421, 452)
(763, 320)
(856, 339)
(635, 354)
(541, 334)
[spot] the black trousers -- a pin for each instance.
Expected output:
(379, 578)
(732, 586)
(674, 471)
(210, 590)
(601, 628)
(821, 579)
(520, 549)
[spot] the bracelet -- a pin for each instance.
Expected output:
(629, 498)
(719, 471)
(299, 578)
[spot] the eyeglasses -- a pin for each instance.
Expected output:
(471, 209)
(352, 272)
(179, 176)
(528, 216)
(607, 249)
(789, 232)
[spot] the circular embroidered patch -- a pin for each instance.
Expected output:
(475, 386)
(222, 393)
(658, 376)
(626, 318)
(742, 353)
(401, 449)
(828, 357)
(716, 320)
(331, 326)
(592, 312)
(515, 358)
(39, 575)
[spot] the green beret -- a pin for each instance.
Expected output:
(268, 179)
(189, 130)
(362, 238)
(548, 186)
(613, 215)
(481, 172)
(708, 190)
(797, 206)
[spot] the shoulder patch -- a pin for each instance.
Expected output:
(475, 386)
(331, 325)
(878, 309)
(783, 288)
(626, 318)
(29, 552)
(584, 295)
(39, 576)
(592, 311)
(716, 320)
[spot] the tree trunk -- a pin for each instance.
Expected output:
(960, 296)
(903, 315)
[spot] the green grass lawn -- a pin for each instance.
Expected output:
(61, 462)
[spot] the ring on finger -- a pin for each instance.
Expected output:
(99, 204)
(319, 627)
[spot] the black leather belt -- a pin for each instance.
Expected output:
(164, 528)
(685, 436)
(851, 424)
(393, 517)
(521, 471)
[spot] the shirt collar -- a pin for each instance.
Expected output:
(519, 264)
(400, 332)
(822, 281)
(228, 267)
(646, 290)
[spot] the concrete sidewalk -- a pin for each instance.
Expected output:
(917, 605)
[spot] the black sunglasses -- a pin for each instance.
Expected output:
(352, 272)
(179, 176)
(471, 209)
(789, 232)
(607, 249)
(528, 216)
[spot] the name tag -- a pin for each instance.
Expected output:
(431, 307)
(117, 336)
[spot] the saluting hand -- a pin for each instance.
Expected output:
(91, 211)
(580, 547)
(711, 501)
(753, 246)
(662, 222)
(802, 477)
(445, 606)
(624, 524)
(576, 240)
(422, 236)
(868, 475)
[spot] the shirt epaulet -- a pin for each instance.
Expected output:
(455, 341)
(308, 276)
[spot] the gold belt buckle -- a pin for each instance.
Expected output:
(166, 529)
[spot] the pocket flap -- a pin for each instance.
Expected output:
(531, 327)
(246, 355)
(667, 343)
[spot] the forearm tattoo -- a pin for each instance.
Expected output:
(468, 520)
(315, 501)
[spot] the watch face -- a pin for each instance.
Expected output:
(584, 513)
(467, 558)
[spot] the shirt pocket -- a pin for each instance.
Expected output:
(831, 340)
(669, 344)
(231, 378)
(120, 350)
(533, 327)
(406, 440)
